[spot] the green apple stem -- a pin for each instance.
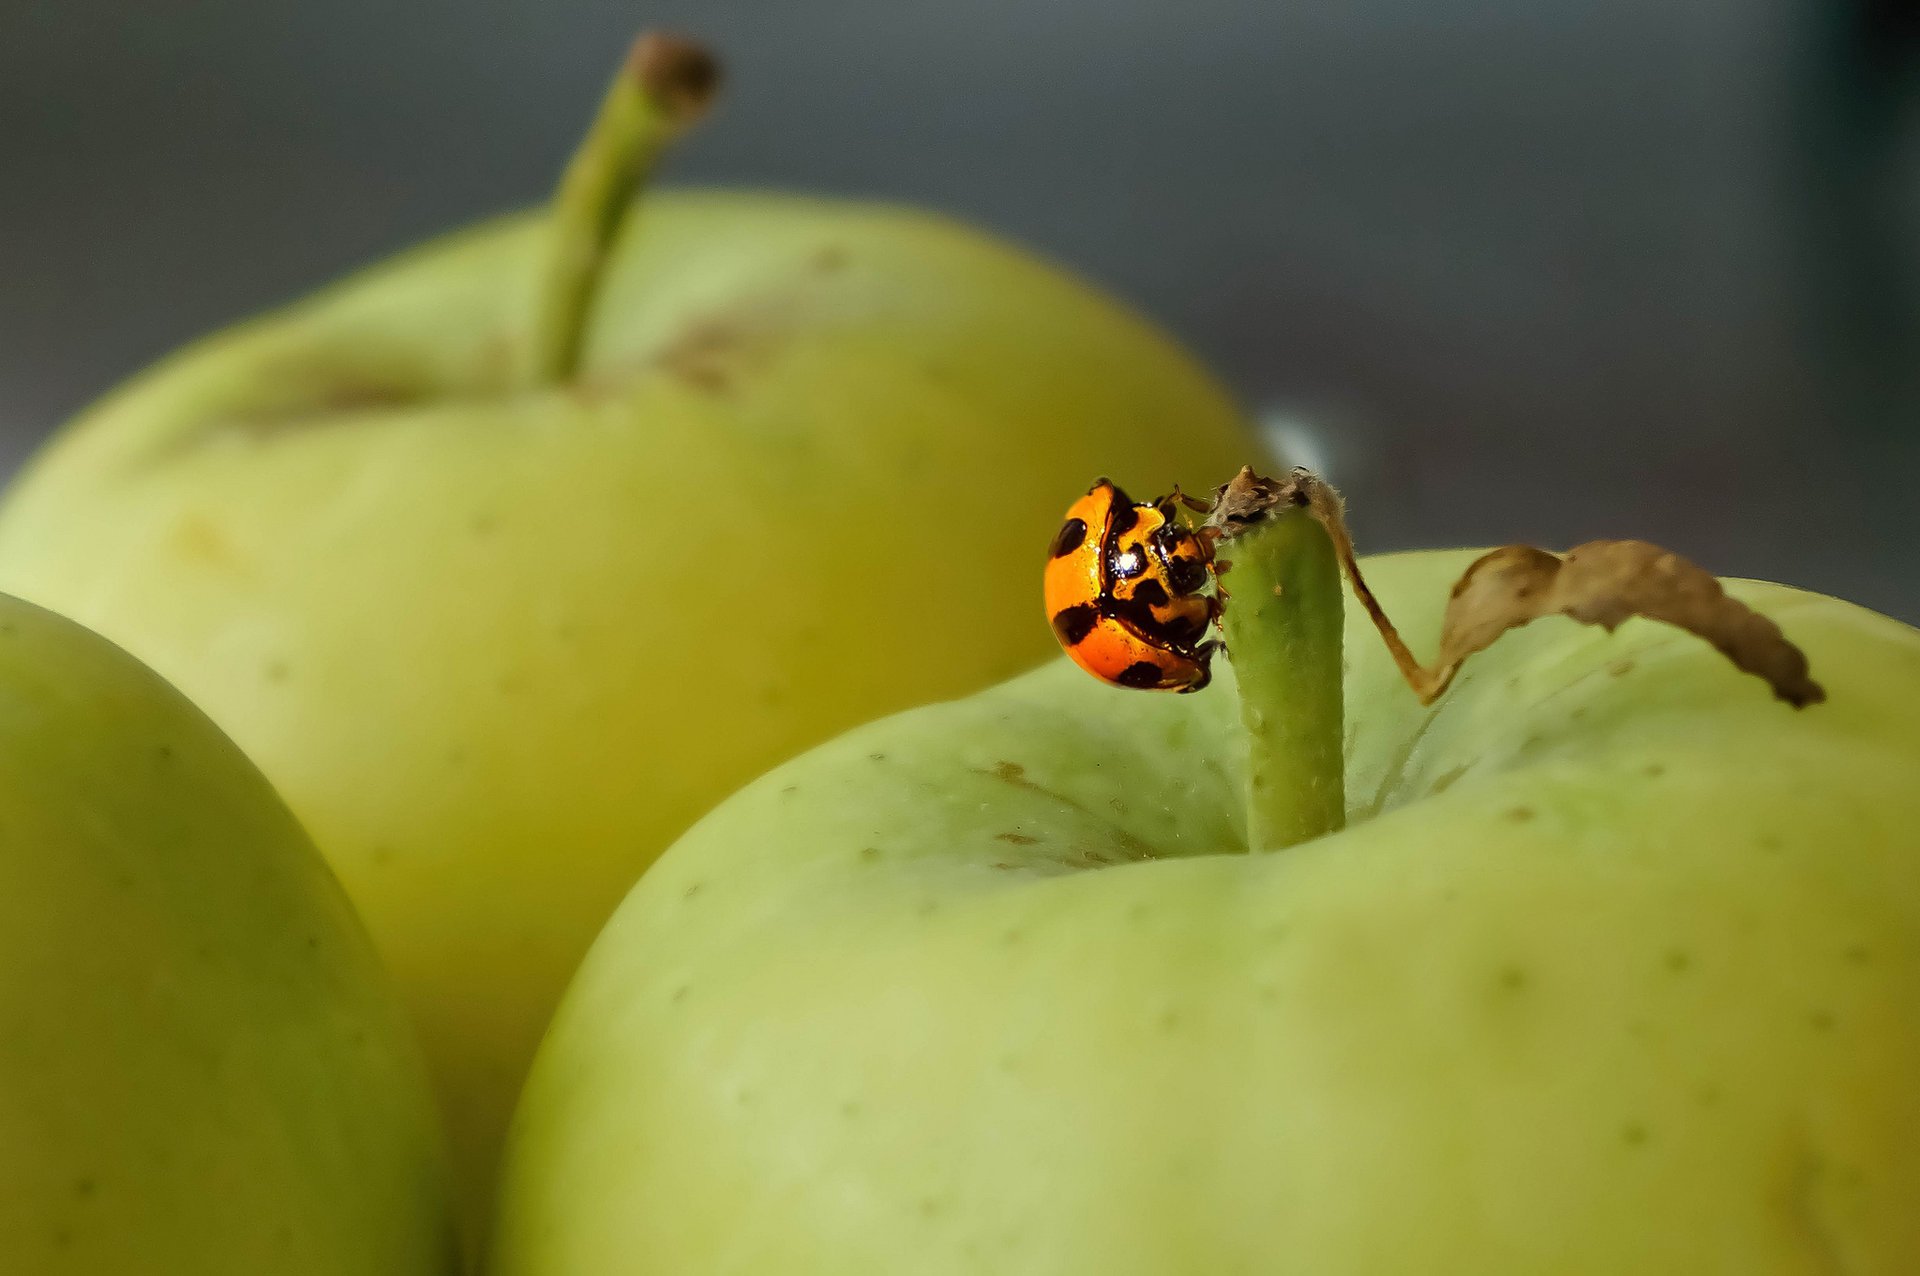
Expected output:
(664, 86)
(1283, 623)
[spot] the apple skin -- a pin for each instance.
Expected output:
(203, 1070)
(1616, 968)
(498, 647)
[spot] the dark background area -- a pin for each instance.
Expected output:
(1528, 270)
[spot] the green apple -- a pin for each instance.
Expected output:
(203, 1071)
(473, 628)
(1614, 968)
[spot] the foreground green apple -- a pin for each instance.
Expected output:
(202, 1069)
(1615, 968)
(473, 630)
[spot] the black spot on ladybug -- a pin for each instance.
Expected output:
(1125, 515)
(1182, 631)
(1072, 624)
(1186, 574)
(1142, 674)
(1073, 534)
(1152, 593)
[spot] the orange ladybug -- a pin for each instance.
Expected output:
(1123, 593)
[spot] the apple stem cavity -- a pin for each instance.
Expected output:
(1283, 623)
(663, 88)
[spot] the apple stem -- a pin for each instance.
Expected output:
(664, 86)
(1283, 623)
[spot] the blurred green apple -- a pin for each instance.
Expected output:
(472, 626)
(203, 1071)
(1614, 968)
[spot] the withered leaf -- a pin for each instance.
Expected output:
(1603, 583)
(1600, 583)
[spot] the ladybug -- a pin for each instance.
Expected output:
(1123, 593)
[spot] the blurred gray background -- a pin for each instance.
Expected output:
(1530, 269)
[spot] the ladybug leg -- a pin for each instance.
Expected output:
(1220, 590)
(1199, 505)
(1203, 655)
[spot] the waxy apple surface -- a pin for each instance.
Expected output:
(1616, 968)
(203, 1071)
(498, 646)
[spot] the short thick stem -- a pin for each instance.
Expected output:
(664, 86)
(1283, 626)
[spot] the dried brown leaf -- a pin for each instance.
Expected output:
(1604, 583)
(1600, 583)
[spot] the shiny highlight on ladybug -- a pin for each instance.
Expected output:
(1123, 593)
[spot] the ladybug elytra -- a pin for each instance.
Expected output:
(1123, 585)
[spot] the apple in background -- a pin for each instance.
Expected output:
(498, 642)
(1615, 968)
(203, 1070)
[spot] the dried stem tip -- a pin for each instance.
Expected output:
(681, 77)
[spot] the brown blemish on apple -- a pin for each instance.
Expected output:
(1017, 839)
(1132, 847)
(831, 259)
(712, 353)
(200, 540)
(1520, 814)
